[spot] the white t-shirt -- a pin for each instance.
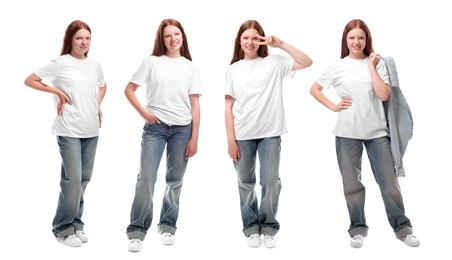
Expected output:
(365, 119)
(79, 79)
(256, 85)
(169, 82)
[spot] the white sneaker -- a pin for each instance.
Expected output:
(81, 235)
(357, 241)
(411, 240)
(269, 241)
(71, 240)
(254, 240)
(134, 245)
(167, 239)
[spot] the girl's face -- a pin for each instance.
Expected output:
(356, 42)
(172, 37)
(80, 43)
(249, 43)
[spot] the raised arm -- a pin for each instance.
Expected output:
(382, 90)
(301, 59)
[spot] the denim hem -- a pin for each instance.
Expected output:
(271, 231)
(78, 226)
(403, 231)
(165, 228)
(137, 234)
(255, 229)
(358, 230)
(65, 232)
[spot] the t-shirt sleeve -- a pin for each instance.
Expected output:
(382, 71)
(100, 77)
(140, 76)
(228, 87)
(286, 64)
(325, 79)
(195, 87)
(48, 73)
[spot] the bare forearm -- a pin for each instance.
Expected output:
(382, 90)
(133, 100)
(316, 92)
(101, 94)
(34, 82)
(299, 57)
(229, 126)
(196, 119)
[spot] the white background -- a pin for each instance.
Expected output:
(312, 212)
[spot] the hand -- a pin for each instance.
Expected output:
(345, 103)
(151, 118)
(62, 100)
(272, 41)
(192, 148)
(374, 58)
(234, 151)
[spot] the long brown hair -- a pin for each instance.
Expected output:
(238, 52)
(159, 44)
(70, 31)
(354, 24)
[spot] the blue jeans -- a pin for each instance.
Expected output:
(349, 156)
(154, 139)
(259, 219)
(76, 170)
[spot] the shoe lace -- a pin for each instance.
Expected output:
(135, 240)
(358, 237)
(167, 235)
(408, 237)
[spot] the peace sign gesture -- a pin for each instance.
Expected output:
(272, 41)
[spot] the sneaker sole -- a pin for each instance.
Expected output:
(69, 245)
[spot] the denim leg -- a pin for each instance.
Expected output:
(269, 150)
(379, 153)
(246, 176)
(89, 146)
(78, 156)
(259, 218)
(349, 157)
(176, 164)
(152, 147)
